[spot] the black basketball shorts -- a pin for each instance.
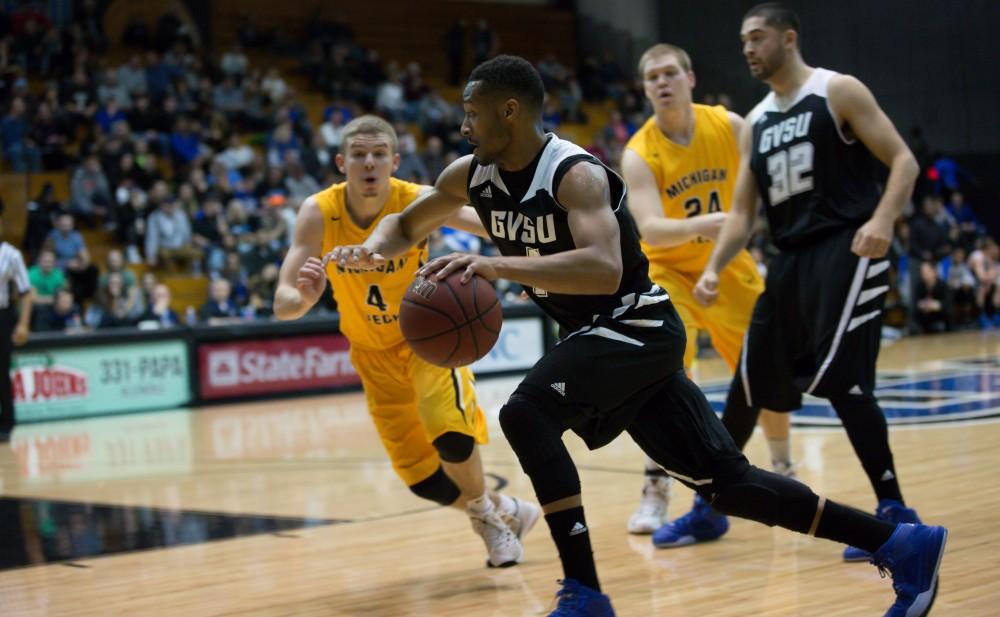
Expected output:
(598, 378)
(816, 329)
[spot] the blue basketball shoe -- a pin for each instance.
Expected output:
(912, 555)
(701, 524)
(890, 511)
(578, 600)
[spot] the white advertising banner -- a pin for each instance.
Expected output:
(520, 345)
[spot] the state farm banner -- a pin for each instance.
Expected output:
(241, 368)
(100, 379)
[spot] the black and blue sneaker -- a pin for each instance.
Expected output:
(701, 524)
(578, 600)
(912, 555)
(890, 511)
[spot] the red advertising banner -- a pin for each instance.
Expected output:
(292, 364)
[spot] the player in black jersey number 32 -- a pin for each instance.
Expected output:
(809, 151)
(556, 214)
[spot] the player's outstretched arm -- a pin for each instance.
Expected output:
(464, 219)
(302, 278)
(468, 221)
(594, 267)
(396, 233)
(852, 102)
(738, 227)
(644, 204)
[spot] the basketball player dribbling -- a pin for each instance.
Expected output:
(557, 217)
(427, 416)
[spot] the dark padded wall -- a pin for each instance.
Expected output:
(932, 63)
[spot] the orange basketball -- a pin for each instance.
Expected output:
(450, 324)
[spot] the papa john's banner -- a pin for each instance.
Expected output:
(292, 364)
(78, 382)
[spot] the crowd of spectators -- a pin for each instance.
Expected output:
(197, 163)
(193, 164)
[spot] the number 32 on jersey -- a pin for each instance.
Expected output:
(788, 170)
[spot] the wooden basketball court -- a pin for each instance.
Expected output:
(290, 508)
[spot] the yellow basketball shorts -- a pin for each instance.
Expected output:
(727, 320)
(412, 403)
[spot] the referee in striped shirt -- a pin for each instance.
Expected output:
(14, 288)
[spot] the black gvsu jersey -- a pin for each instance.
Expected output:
(813, 176)
(534, 224)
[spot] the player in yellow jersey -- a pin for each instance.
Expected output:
(427, 416)
(680, 167)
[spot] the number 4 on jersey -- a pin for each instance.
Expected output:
(375, 298)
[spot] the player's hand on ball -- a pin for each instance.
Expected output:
(706, 290)
(354, 256)
(873, 239)
(441, 267)
(311, 280)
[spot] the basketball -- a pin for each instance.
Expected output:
(450, 324)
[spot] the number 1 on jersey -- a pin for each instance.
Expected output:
(533, 252)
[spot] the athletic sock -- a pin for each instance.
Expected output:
(572, 538)
(780, 451)
(480, 505)
(850, 526)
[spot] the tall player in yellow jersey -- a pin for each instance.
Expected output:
(680, 167)
(427, 416)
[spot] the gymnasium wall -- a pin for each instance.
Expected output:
(405, 30)
(621, 29)
(930, 63)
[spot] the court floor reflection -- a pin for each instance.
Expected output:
(40, 531)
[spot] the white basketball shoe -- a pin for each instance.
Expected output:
(519, 514)
(503, 547)
(652, 512)
(784, 468)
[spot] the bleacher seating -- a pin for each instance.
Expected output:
(409, 31)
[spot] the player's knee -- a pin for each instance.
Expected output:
(454, 447)
(748, 500)
(531, 431)
(536, 437)
(515, 414)
(767, 498)
(438, 488)
(740, 490)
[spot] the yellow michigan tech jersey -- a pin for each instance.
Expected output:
(695, 179)
(368, 301)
